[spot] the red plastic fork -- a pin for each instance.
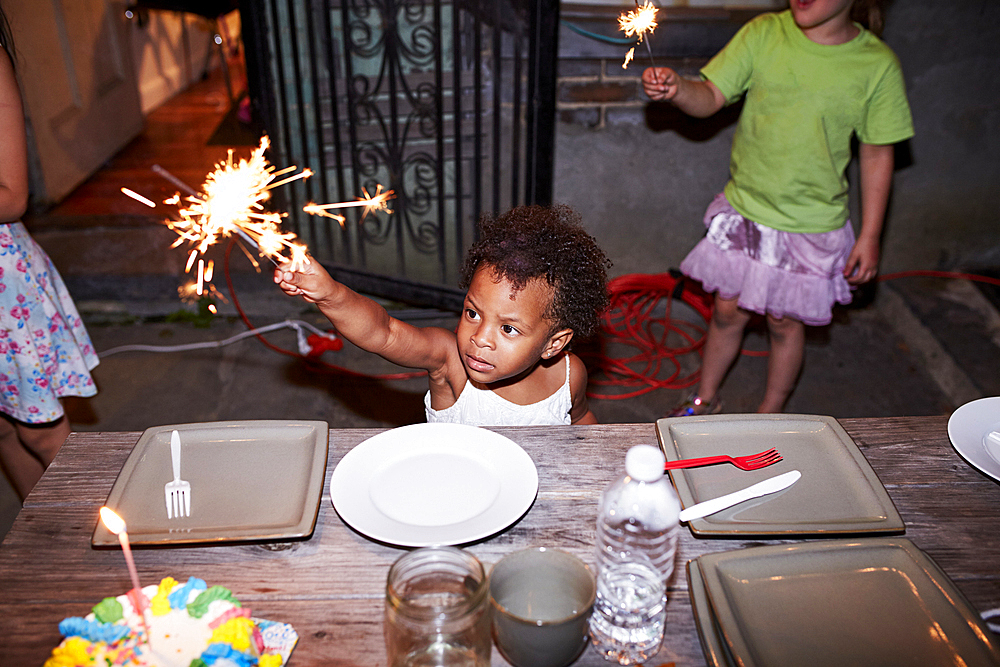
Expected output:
(751, 462)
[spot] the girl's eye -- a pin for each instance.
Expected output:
(508, 329)
(471, 314)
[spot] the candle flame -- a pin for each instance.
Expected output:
(112, 521)
(639, 21)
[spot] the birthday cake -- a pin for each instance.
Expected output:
(190, 625)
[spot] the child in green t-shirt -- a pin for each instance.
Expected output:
(779, 240)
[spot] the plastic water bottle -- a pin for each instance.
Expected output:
(637, 530)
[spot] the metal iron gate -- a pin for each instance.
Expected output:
(449, 104)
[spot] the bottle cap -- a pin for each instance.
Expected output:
(644, 463)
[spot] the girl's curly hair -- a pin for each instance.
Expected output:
(546, 242)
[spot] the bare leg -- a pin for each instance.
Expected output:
(44, 440)
(725, 337)
(788, 341)
(26, 450)
(21, 467)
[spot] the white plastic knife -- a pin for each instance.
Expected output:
(714, 505)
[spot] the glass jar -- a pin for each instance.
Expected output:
(437, 610)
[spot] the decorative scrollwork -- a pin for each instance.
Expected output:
(398, 41)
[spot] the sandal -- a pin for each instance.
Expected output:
(693, 406)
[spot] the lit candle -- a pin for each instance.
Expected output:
(116, 525)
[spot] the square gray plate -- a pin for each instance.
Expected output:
(712, 645)
(839, 493)
(250, 480)
(874, 602)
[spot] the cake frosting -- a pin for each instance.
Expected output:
(190, 625)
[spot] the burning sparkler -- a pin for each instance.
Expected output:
(231, 202)
(638, 22)
(372, 204)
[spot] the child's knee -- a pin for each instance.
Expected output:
(784, 326)
(727, 313)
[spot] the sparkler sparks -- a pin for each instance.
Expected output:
(638, 22)
(138, 197)
(188, 293)
(372, 204)
(231, 202)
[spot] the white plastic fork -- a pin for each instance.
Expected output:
(177, 492)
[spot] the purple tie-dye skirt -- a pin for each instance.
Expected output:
(783, 274)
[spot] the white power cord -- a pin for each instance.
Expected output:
(298, 325)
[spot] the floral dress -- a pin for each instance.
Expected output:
(45, 351)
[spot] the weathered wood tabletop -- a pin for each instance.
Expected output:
(330, 587)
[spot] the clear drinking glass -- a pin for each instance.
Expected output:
(437, 610)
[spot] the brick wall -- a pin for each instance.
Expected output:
(597, 92)
(593, 88)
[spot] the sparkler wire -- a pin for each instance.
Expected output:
(173, 179)
(652, 63)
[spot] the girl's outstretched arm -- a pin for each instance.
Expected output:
(13, 146)
(700, 99)
(365, 323)
(876, 163)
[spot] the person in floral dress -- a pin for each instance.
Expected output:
(45, 352)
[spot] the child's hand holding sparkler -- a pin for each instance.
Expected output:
(365, 323)
(698, 98)
(660, 83)
(310, 281)
(357, 318)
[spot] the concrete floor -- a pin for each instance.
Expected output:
(881, 357)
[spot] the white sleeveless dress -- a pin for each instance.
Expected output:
(482, 407)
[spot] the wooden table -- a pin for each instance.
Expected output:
(330, 587)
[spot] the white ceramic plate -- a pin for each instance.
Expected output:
(968, 428)
(874, 602)
(250, 480)
(429, 484)
(839, 493)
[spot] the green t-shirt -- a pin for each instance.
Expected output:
(804, 101)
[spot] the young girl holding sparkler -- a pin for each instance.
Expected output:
(779, 241)
(45, 352)
(535, 280)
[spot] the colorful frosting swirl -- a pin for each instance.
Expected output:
(112, 634)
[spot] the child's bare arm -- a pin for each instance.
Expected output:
(365, 323)
(694, 97)
(876, 163)
(13, 146)
(580, 412)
